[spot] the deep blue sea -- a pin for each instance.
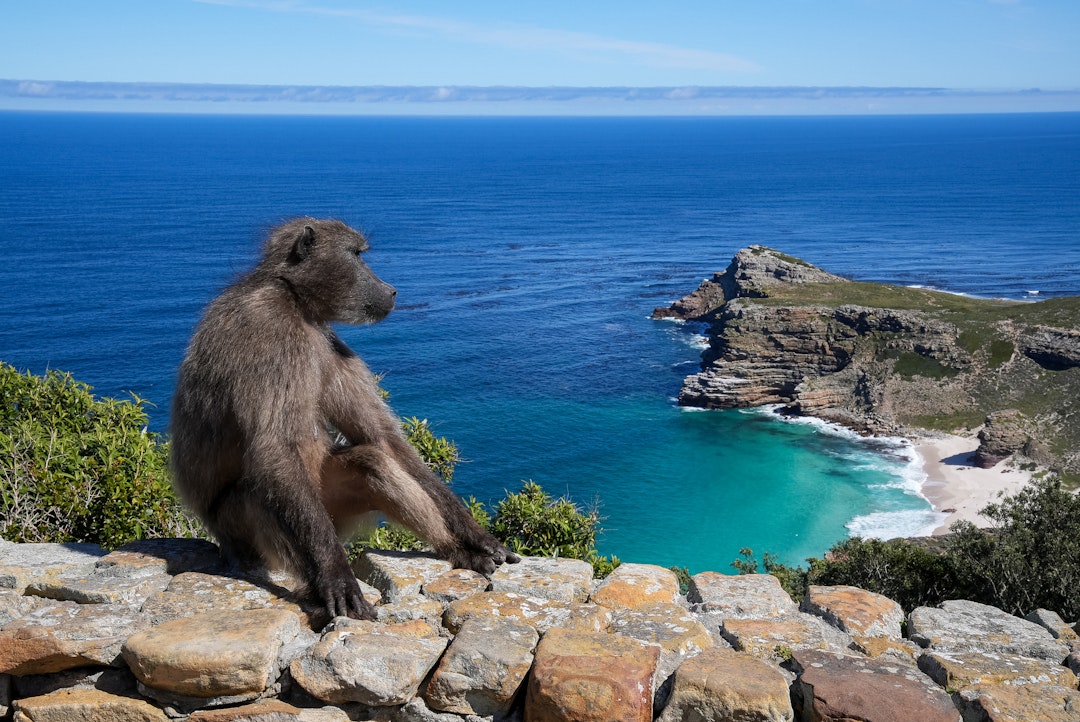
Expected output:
(528, 254)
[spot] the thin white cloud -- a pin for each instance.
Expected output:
(522, 36)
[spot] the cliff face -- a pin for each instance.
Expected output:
(882, 358)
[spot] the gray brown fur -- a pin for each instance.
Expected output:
(264, 378)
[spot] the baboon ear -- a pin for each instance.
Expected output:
(304, 243)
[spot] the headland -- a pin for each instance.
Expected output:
(985, 389)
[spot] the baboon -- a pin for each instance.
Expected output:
(281, 439)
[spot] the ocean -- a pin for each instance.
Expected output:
(528, 254)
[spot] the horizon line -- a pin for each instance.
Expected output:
(521, 100)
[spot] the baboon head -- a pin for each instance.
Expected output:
(321, 263)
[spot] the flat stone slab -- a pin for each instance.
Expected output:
(367, 663)
(775, 639)
(540, 614)
(743, 596)
(148, 557)
(677, 632)
(263, 710)
(855, 611)
(21, 564)
(232, 655)
(958, 670)
(192, 593)
(1021, 703)
(398, 574)
(834, 687)
(411, 607)
(1053, 623)
(86, 705)
(964, 626)
(1073, 660)
(63, 635)
(720, 684)
(100, 588)
(564, 580)
(591, 677)
(456, 584)
(14, 605)
(484, 668)
(632, 586)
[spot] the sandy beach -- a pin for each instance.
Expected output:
(956, 487)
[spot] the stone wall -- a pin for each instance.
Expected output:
(157, 630)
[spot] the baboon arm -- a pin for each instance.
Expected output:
(281, 486)
(381, 451)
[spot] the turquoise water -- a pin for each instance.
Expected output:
(528, 255)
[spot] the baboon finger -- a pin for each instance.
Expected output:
(343, 598)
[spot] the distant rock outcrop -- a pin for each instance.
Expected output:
(883, 359)
(170, 636)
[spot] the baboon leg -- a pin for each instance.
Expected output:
(298, 535)
(372, 476)
(228, 521)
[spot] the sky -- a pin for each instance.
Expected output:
(985, 45)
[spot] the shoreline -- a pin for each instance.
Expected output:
(957, 488)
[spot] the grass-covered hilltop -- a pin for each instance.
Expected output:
(886, 359)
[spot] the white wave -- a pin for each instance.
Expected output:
(891, 457)
(892, 524)
(698, 341)
(944, 290)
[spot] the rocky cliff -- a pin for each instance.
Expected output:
(157, 630)
(886, 359)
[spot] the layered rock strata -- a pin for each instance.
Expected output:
(883, 359)
(539, 641)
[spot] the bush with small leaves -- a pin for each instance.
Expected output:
(531, 522)
(1029, 557)
(905, 571)
(80, 468)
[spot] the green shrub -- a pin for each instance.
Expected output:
(1030, 556)
(79, 468)
(682, 575)
(532, 522)
(1001, 350)
(440, 454)
(902, 570)
(910, 364)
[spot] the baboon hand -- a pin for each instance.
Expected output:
(484, 556)
(343, 598)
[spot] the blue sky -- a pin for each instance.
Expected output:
(966, 44)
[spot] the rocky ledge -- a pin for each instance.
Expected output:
(156, 631)
(884, 359)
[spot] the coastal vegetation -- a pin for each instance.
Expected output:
(80, 468)
(77, 468)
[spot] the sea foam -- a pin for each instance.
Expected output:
(893, 457)
(893, 524)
